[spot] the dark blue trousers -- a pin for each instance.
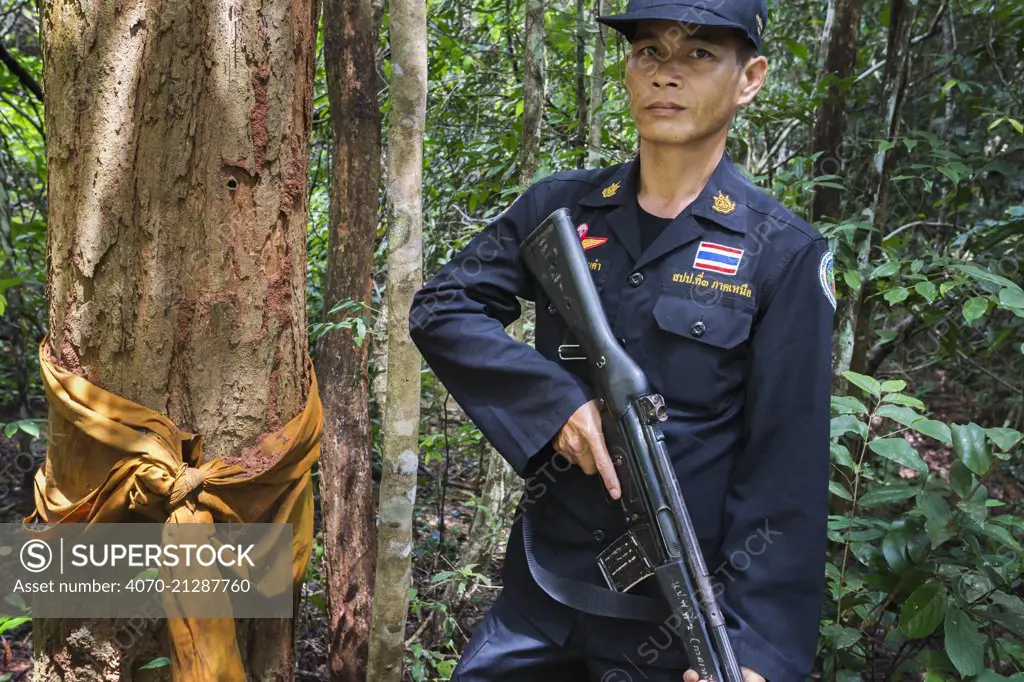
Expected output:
(506, 647)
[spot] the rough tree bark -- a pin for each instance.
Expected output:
(597, 93)
(346, 491)
(854, 318)
(177, 153)
(533, 90)
(581, 84)
(400, 426)
(838, 59)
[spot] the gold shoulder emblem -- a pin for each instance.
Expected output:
(760, 24)
(610, 190)
(723, 204)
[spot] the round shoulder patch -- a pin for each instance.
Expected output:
(826, 276)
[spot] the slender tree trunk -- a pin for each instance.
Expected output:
(855, 318)
(597, 93)
(402, 411)
(177, 152)
(533, 90)
(838, 60)
(346, 492)
(581, 84)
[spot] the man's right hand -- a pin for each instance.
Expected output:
(581, 441)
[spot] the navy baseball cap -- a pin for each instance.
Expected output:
(749, 16)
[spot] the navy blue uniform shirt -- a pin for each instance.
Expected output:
(729, 313)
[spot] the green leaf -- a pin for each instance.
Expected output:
(157, 663)
(1004, 439)
(1012, 297)
(7, 624)
(10, 429)
(935, 429)
(960, 479)
(897, 295)
(975, 308)
(937, 514)
(30, 427)
(841, 456)
(841, 637)
(798, 49)
(847, 423)
(949, 173)
(900, 451)
(848, 405)
(900, 415)
(971, 447)
(923, 611)
(839, 490)
(984, 275)
(852, 279)
(949, 85)
(883, 496)
(900, 399)
(887, 269)
(865, 383)
(893, 386)
(927, 291)
(964, 644)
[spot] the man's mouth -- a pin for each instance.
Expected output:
(665, 105)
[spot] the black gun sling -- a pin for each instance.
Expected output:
(587, 597)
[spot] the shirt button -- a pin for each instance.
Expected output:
(598, 535)
(697, 329)
(636, 278)
(551, 309)
(622, 341)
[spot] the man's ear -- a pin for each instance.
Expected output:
(752, 79)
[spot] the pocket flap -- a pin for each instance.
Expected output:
(721, 325)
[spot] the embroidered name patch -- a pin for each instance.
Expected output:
(705, 285)
(718, 258)
(589, 242)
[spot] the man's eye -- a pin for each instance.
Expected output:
(649, 50)
(700, 53)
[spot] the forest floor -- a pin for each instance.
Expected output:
(439, 540)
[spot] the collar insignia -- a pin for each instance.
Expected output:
(610, 190)
(723, 204)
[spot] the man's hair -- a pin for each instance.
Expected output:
(745, 50)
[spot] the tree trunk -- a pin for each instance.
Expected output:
(533, 90)
(597, 93)
(855, 317)
(177, 155)
(346, 491)
(581, 84)
(842, 32)
(400, 426)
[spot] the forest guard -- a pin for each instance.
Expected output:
(725, 299)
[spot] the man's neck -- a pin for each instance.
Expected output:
(671, 177)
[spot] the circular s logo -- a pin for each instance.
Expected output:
(36, 556)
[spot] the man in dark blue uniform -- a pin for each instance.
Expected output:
(725, 299)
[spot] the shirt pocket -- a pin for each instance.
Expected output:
(699, 351)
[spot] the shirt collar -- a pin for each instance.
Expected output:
(722, 200)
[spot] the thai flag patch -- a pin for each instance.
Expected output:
(718, 258)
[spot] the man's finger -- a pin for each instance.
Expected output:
(603, 462)
(691, 676)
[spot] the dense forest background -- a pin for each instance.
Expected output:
(897, 127)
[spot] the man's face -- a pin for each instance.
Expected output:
(686, 81)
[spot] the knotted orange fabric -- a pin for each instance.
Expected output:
(110, 458)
